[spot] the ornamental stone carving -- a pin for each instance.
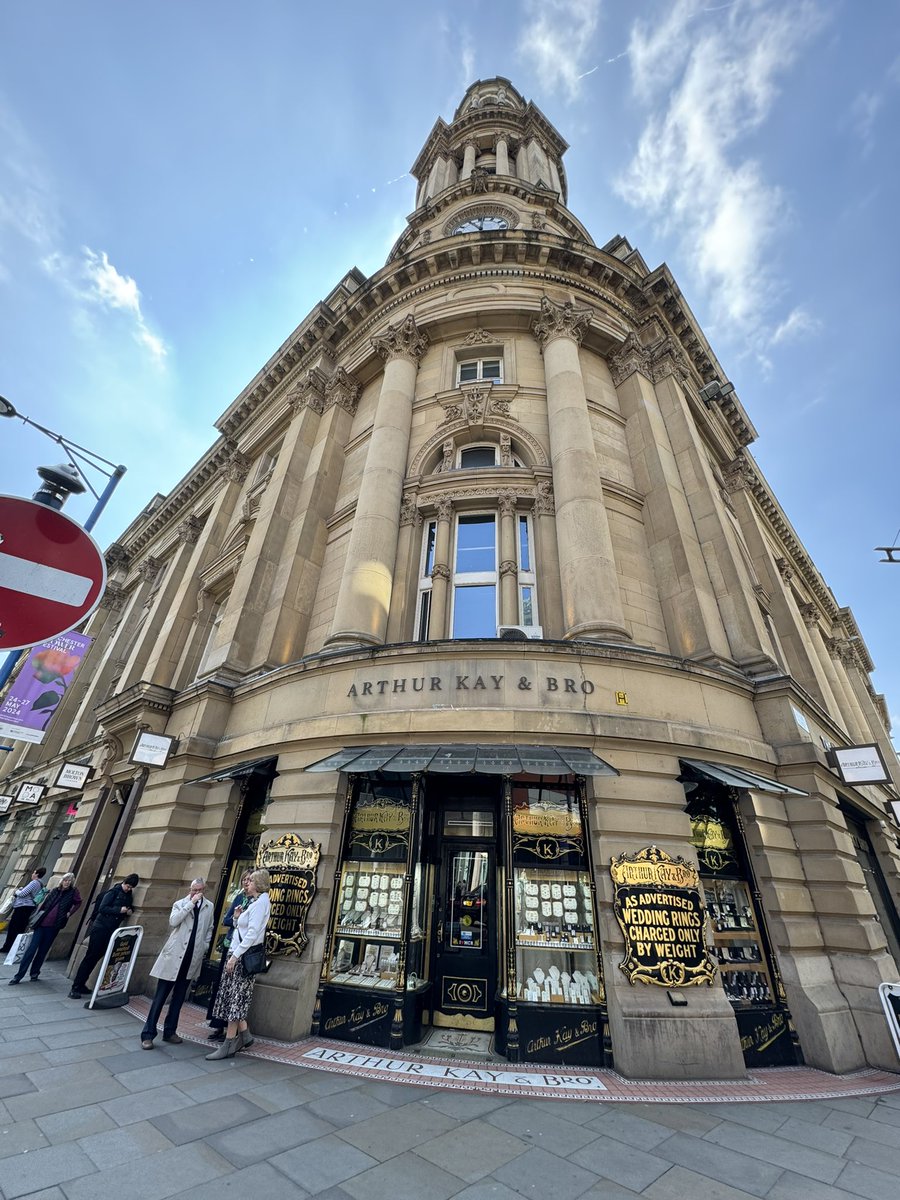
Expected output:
(189, 531)
(809, 614)
(237, 466)
(477, 338)
(666, 359)
(113, 599)
(149, 569)
(560, 320)
(448, 452)
(543, 502)
(509, 566)
(738, 474)
(440, 571)
(475, 400)
(445, 509)
(117, 558)
(310, 391)
(506, 458)
(426, 237)
(506, 501)
(537, 221)
(409, 511)
(453, 409)
(630, 357)
(403, 340)
(342, 391)
(498, 405)
(478, 181)
(785, 570)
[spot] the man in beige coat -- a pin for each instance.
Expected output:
(191, 922)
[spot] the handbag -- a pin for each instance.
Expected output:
(254, 960)
(7, 906)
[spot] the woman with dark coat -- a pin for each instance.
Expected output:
(49, 918)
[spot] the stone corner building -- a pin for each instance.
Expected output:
(474, 543)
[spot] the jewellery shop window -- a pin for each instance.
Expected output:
(372, 896)
(746, 966)
(556, 952)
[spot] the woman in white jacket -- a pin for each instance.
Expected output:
(236, 990)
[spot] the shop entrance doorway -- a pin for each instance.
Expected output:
(465, 952)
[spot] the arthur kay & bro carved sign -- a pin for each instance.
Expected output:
(292, 864)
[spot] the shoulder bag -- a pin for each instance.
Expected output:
(254, 960)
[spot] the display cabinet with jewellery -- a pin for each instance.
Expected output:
(555, 1001)
(372, 987)
(741, 947)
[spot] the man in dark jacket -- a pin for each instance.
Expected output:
(115, 905)
(51, 915)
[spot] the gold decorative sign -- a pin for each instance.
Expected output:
(292, 864)
(660, 911)
(712, 841)
(379, 825)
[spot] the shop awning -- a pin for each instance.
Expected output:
(737, 777)
(260, 766)
(466, 760)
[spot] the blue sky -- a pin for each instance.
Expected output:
(180, 183)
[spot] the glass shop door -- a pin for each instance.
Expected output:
(464, 930)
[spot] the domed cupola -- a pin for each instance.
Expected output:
(496, 167)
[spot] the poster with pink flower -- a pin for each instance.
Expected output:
(28, 707)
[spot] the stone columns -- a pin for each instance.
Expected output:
(547, 559)
(592, 606)
(364, 598)
(501, 149)
(440, 573)
(509, 565)
(693, 623)
(251, 598)
(468, 160)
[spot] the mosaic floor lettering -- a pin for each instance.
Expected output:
(422, 1070)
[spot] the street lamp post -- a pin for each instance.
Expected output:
(59, 483)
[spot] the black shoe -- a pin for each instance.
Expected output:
(217, 1035)
(33, 978)
(77, 994)
(15, 979)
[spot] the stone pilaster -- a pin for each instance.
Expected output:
(592, 605)
(693, 621)
(364, 599)
(509, 568)
(440, 574)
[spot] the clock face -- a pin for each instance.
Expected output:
(480, 224)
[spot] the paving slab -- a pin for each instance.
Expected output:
(269, 1136)
(612, 1159)
(43, 1168)
(719, 1162)
(180, 1169)
(541, 1128)
(769, 1148)
(867, 1182)
(539, 1173)
(251, 1183)
(124, 1145)
(322, 1164)
(75, 1123)
(346, 1108)
(385, 1136)
(402, 1178)
(226, 1113)
(16, 1085)
(679, 1183)
(473, 1150)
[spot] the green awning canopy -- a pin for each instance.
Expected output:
(256, 766)
(738, 777)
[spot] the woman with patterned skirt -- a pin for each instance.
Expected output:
(236, 989)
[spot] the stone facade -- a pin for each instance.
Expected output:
(306, 588)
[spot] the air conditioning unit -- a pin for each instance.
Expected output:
(519, 633)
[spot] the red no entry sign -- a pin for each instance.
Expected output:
(52, 573)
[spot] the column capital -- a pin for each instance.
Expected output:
(117, 557)
(506, 502)
(113, 598)
(509, 566)
(440, 571)
(189, 530)
(785, 570)
(560, 320)
(630, 357)
(237, 464)
(149, 568)
(409, 511)
(403, 340)
(310, 391)
(445, 509)
(342, 391)
(738, 474)
(809, 613)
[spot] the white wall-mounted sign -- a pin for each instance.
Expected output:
(5, 802)
(890, 1002)
(152, 749)
(73, 775)
(30, 793)
(860, 764)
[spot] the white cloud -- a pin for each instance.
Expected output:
(866, 107)
(94, 281)
(708, 79)
(556, 41)
(797, 324)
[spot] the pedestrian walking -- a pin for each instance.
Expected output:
(236, 992)
(46, 921)
(25, 901)
(114, 905)
(240, 902)
(179, 962)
